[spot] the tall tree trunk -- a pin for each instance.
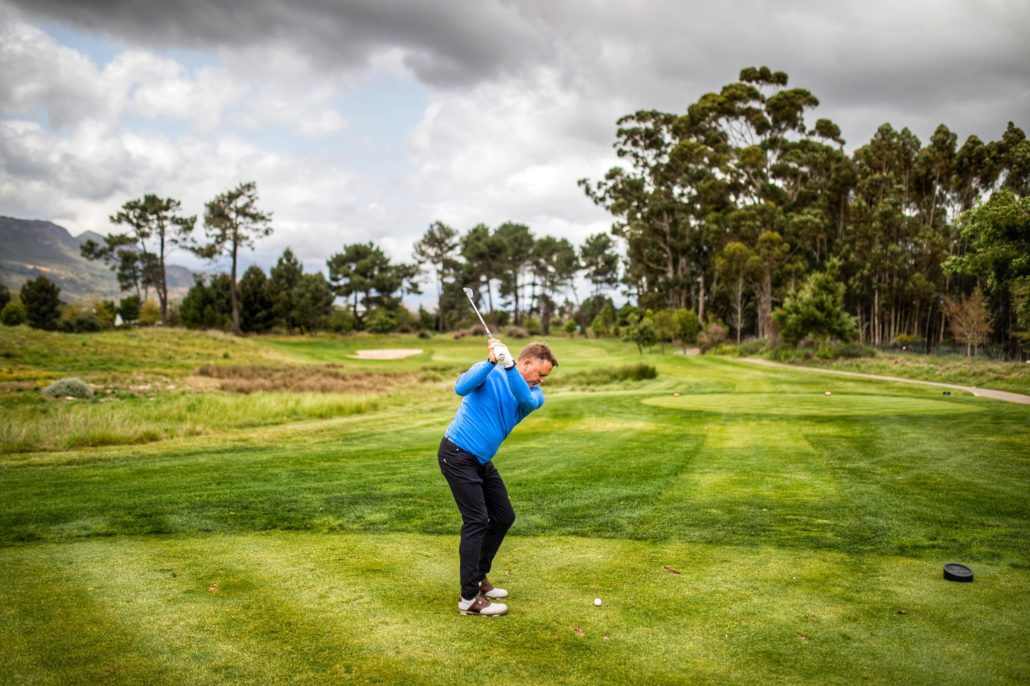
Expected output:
(701, 300)
(232, 290)
(766, 303)
(740, 306)
(163, 295)
(440, 306)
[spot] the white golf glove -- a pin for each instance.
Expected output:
(503, 356)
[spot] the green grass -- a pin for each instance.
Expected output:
(750, 529)
(976, 371)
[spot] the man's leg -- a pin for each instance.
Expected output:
(462, 471)
(501, 516)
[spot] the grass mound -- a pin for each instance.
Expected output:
(69, 388)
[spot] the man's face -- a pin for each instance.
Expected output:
(534, 371)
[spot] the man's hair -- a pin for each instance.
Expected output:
(538, 351)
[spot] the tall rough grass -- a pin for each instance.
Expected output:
(29, 428)
(604, 376)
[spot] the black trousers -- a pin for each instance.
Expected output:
(486, 512)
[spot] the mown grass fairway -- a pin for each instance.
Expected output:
(751, 529)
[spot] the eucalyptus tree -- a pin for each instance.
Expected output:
(139, 255)
(1013, 151)
(436, 249)
(996, 236)
(660, 200)
(600, 262)
(782, 177)
(736, 265)
(233, 222)
(883, 227)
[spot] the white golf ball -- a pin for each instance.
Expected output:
(597, 601)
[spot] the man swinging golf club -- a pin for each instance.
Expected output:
(497, 394)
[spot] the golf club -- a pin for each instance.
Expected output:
(468, 294)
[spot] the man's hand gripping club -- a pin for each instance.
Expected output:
(498, 352)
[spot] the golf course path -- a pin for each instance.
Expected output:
(979, 392)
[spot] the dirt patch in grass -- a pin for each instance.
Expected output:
(297, 379)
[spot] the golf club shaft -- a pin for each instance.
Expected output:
(476, 310)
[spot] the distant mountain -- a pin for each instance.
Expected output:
(29, 248)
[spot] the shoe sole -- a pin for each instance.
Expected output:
(480, 614)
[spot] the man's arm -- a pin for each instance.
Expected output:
(529, 399)
(474, 377)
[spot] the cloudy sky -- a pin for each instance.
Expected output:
(369, 119)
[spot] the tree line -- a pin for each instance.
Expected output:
(733, 206)
(737, 211)
(517, 274)
(520, 280)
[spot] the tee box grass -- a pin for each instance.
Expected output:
(749, 529)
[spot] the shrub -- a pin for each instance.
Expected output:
(381, 321)
(902, 340)
(642, 332)
(713, 334)
(424, 334)
(104, 311)
(725, 349)
(603, 323)
(149, 313)
(852, 349)
(87, 323)
(788, 353)
(515, 332)
(533, 326)
(756, 346)
(341, 320)
(75, 318)
(571, 327)
(816, 310)
(129, 308)
(69, 388)
(688, 326)
(13, 314)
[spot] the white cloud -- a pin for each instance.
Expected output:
(36, 73)
(522, 97)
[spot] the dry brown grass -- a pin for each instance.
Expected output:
(300, 379)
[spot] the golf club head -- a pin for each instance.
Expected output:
(468, 292)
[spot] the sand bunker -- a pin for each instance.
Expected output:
(387, 353)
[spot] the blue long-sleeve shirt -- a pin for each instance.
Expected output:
(494, 401)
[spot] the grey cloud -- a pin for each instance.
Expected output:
(901, 58)
(446, 44)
